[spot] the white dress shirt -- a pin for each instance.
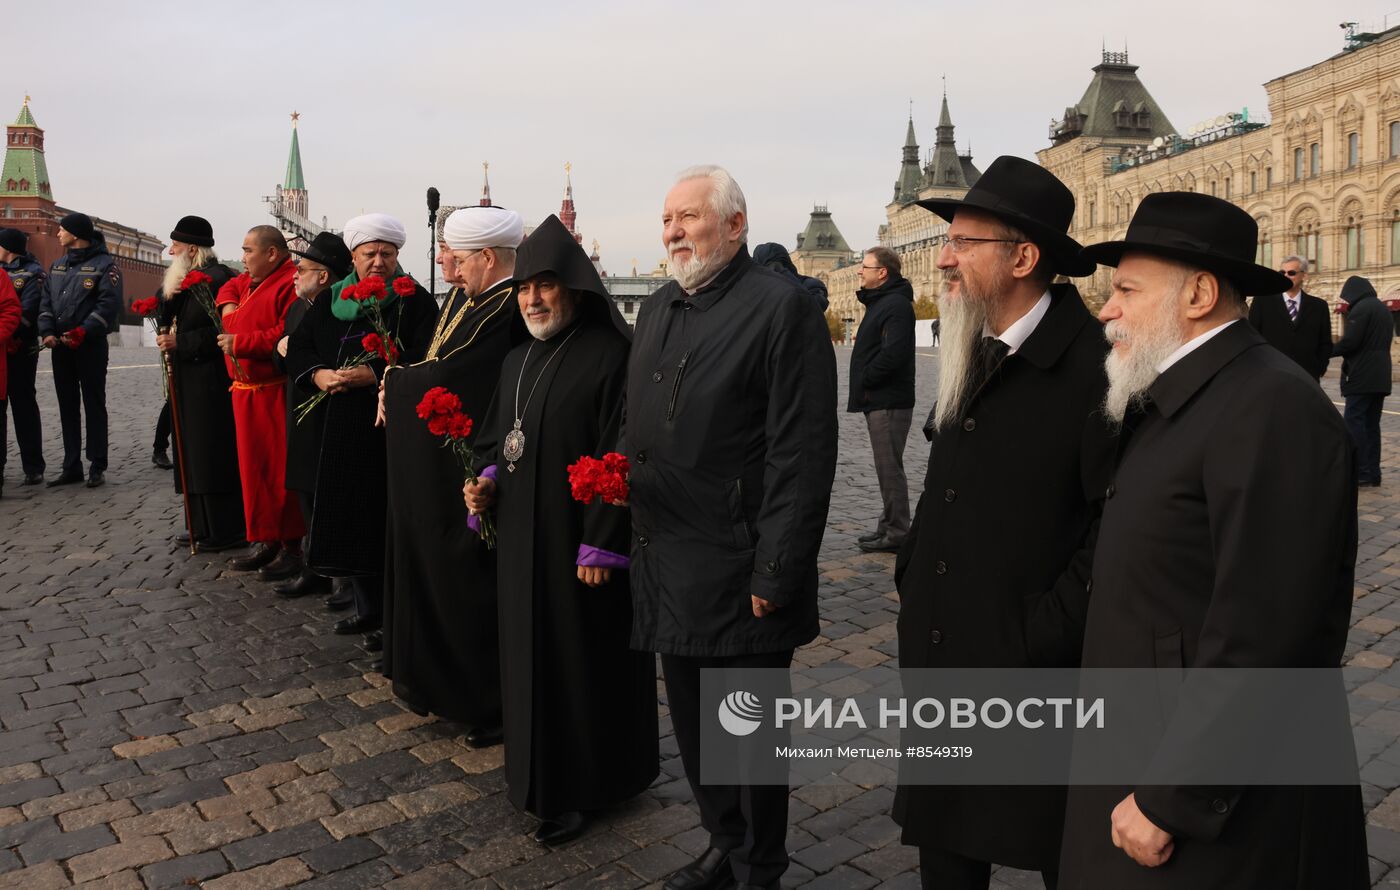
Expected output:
(1190, 346)
(1020, 330)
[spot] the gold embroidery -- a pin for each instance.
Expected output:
(451, 328)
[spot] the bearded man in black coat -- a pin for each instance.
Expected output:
(580, 705)
(1228, 541)
(1021, 454)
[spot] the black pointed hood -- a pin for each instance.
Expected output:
(551, 248)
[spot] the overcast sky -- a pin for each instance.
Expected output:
(162, 109)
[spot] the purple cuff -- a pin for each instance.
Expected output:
(603, 559)
(474, 521)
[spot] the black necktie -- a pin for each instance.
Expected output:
(993, 352)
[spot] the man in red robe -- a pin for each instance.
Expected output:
(254, 306)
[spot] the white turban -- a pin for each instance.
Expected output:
(473, 228)
(374, 227)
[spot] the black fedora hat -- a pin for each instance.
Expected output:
(1200, 230)
(1031, 198)
(193, 230)
(329, 250)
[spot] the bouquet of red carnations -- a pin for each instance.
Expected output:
(72, 339)
(200, 286)
(147, 309)
(378, 343)
(443, 412)
(592, 478)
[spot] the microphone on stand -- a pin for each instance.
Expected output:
(434, 201)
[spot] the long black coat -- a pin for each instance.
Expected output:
(346, 530)
(303, 439)
(1308, 341)
(882, 361)
(1219, 548)
(731, 433)
(580, 705)
(440, 624)
(995, 570)
(208, 454)
(1365, 343)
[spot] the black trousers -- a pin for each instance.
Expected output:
(21, 368)
(162, 441)
(368, 591)
(941, 870)
(80, 378)
(1363, 419)
(750, 821)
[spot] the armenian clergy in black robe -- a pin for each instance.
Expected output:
(580, 705)
(206, 459)
(347, 526)
(440, 644)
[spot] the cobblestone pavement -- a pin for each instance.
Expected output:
(167, 723)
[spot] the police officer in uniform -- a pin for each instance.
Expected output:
(28, 278)
(84, 291)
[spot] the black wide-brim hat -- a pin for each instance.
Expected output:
(1198, 230)
(1031, 198)
(329, 249)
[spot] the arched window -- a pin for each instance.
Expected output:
(1314, 159)
(1395, 237)
(1297, 164)
(1355, 247)
(1306, 242)
(1395, 139)
(1353, 150)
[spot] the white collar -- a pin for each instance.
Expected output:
(1020, 330)
(1191, 346)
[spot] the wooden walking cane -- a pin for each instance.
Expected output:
(179, 442)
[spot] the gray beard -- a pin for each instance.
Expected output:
(960, 327)
(558, 321)
(1130, 376)
(697, 271)
(174, 274)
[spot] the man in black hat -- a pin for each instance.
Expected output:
(1228, 541)
(1019, 465)
(83, 292)
(1366, 365)
(207, 455)
(324, 262)
(28, 278)
(580, 706)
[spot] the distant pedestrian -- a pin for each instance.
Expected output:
(776, 257)
(1365, 352)
(1295, 322)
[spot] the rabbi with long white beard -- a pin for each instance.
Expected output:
(995, 570)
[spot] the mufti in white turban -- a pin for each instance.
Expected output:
(374, 227)
(474, 228)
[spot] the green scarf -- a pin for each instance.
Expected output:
(349, 310)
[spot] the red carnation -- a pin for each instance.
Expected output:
(459, 426)
(438, 401)
(404, 286)
(145, 307)
(194, 279)
(372, 288)
(74, 338)
(350, 292)
(591, 478)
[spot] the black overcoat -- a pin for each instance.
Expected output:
(995, 570)
(346, 531)
(1229, 541)
(303, 439)
(203, 404)
(731, 433)
(440, 621)
(1365, 343)
(1308, 341)
(882, 361)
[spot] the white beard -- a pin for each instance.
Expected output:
(960, 327)
(558, 320)
(695, 271)
(1130, 375)
(174, 274)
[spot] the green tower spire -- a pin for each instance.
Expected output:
(294, 178)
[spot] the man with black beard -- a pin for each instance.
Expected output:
(1228, 541)
(1020, 460)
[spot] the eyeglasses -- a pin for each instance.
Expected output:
(870, 268)
(1291, 273)
(960, 243)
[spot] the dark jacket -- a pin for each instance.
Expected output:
(1308, 341)
(1199, 565)
(84, 289)
(995, 569)
(775, 256)
(882, 361)
(28, 277)
(303, 439)
(731, 433)
(1365, 343)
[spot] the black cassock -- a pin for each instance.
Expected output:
(346, 530)
(207, 455)
(580, 706)
(439, 579)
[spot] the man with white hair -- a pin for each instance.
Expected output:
(207, 456)
(1228, 541)
(440, 618)
(731, 434)
(1295, 322)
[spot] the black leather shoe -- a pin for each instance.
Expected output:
(356, 624)
(880, 545)
(95, 479)
(259, 556)
(221, 546)
(33, 479)
(305, 584)
(374, 641)
(710, 872)
(161, 459)
(283, 567)
(485, 736)
(339, 602)
(65, 479)
(562, 828)
(377, 666)
(872, 536)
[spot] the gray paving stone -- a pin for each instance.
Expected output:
(184, 871)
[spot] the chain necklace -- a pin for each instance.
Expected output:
(514, 446)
